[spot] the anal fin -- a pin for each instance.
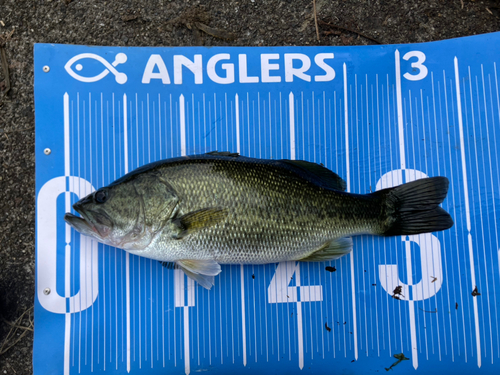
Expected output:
(330, 250)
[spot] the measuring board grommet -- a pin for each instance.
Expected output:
(46, 68)
(46, 291)
(47, 151)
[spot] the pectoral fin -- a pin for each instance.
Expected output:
(330, 250)
(203, 271)
(197, 220)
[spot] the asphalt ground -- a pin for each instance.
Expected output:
(166, 23)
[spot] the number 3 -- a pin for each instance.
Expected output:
(422, 69)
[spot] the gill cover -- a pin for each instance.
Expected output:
(158, 200)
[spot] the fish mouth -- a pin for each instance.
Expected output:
(82, 225)
(90, 223)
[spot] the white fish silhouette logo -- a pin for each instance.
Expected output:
(120, 58)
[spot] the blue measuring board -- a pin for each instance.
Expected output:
(377, 115)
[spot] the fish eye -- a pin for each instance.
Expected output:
(101, 196)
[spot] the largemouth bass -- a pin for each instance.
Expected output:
(221, 208)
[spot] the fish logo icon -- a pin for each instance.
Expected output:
(120, 58)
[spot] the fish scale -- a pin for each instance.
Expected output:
(283, 219)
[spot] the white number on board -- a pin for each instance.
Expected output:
(46, 262)
(279, 290)
(419, 64)
(430, 253)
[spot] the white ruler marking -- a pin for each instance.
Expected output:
(462, 147)
(413, 335)
(411, 307)
(291, 103)
(400, 113)
(243, 318)
(242, 270)
(127, 255)
(346, 130)
(498, 107)
(300, 337)
(67, 276)
(493, 195)
(467, 209)
(300, 332)
(348, 180)
(481, 224)
(125, 132)
(187, 368)
(237, 110)
(487, 209)
(86, 249)
(179, 276)
(182, 112)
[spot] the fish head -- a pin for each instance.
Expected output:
(127, 214)
(111, 215)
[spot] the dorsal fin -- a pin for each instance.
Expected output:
(317, 173)
(224, 153)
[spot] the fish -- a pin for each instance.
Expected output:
(200, 211)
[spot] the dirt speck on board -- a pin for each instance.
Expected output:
(400, 357)
(396, 293)
(124, 23)
(475, 292)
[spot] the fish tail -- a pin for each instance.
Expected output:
(413, 208)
